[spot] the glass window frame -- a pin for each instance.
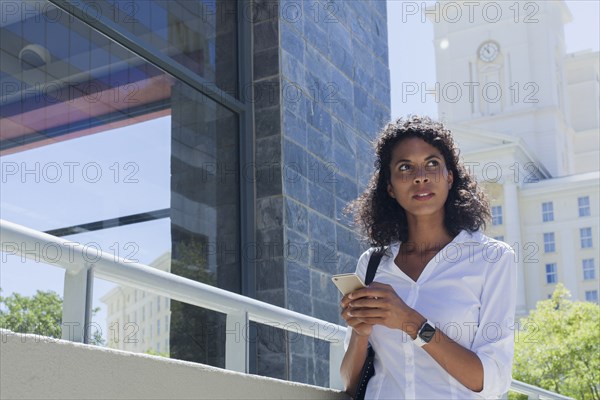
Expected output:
(588, 267)
(547, 211)
(585, 238)
(583, 206)
(549, 242)
(551, 273)
(591, 296)
(497, 215)
(242, 107)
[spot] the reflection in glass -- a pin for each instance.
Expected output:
(99, 145)
(201, 35)
(204, 184)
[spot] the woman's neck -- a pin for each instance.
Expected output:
(427, 234)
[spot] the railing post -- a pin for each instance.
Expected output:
(236, 343)
(336, 354)
(77, 305)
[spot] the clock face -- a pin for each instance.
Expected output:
(488, 51)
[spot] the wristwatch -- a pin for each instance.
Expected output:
(425, 334)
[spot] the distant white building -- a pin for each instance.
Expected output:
(526, 117)
(138, 321)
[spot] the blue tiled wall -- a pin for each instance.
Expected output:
(335, 96)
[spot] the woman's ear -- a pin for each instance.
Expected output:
(450, 179)
(390, 191)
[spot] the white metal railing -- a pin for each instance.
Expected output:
(534, 392)
(79, 273)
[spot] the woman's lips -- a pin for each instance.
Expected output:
(423, 196)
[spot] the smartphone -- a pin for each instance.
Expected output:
(347, 283)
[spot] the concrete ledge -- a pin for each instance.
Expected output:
(38, 367)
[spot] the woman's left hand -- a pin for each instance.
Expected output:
(379, 304)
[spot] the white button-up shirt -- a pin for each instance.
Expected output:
(468, 290)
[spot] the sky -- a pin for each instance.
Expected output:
(411, 52)
(61, 196)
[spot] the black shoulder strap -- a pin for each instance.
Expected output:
(373, 264)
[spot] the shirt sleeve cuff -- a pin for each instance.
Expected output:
(494, 383)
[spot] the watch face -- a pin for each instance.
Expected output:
(489, 51)
(427, 332)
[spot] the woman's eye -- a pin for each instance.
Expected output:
(404, 167)
(433, 164)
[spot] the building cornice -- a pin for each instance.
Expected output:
(515, 151)
(563, 184)
(527, 111)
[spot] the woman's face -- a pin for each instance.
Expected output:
(420, 181)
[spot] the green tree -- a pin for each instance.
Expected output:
(558, 347)
(39, 314)
(153, 352)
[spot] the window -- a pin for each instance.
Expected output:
(496, 215)
(158, 304)
(500, 238)
(584, 206)
(115, 100)
(157, 347)
(547, 211)
(551, 274)
(158, 327)
(549, 244)
(589, 269)
(585, 236)
(143, 313)
(591, 295)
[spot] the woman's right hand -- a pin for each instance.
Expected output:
(360, 328)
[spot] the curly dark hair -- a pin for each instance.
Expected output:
(380, 217)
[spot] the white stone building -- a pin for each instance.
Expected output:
(138, 321)
(526, 117)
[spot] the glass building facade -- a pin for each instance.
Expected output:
(177, 134)
(97, 139)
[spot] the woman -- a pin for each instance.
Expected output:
(440, 276)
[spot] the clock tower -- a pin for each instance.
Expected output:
(500, 68)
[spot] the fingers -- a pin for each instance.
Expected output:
(354, 322)
(375, 289)
(354, 316)
(345, 301)
(367, 302)
(368, 315)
